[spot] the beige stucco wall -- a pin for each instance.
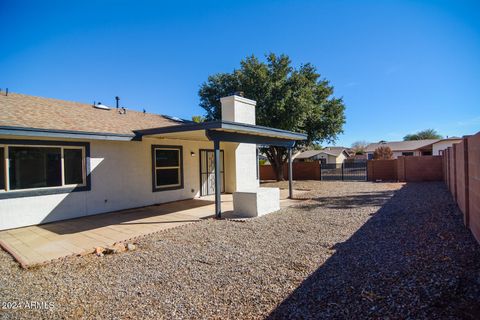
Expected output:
(331, 159)
(121, 178)
(442, 145)
(341, 158)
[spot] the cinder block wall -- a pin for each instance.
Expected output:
(406, 169)
(424, 168)
(301, 171)
(462, 177)
(385, 170)
(474, 184)
(452, 177)
(459, 150)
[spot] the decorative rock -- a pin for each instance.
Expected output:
(116, 248)
(99, 251)
(131, 247)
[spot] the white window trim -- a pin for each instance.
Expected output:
(62, 148)
(179, 168)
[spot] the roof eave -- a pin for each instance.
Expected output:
(225, 125)
(70, 134)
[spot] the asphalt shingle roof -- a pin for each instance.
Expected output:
(402, 145)
(19, 110)
(335, 151)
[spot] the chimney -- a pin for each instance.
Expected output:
(238, 109)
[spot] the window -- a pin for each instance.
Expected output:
(407, 154)
(42, 167)
(73, 166)
(34, 167)
(2, 168)
(167, 167)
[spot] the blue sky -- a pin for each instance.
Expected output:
(400, 66)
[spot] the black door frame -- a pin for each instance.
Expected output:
(201, 173)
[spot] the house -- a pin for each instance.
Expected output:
(426, 147)
(64, 159)
(442, 144)
(329, 155)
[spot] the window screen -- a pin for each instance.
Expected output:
(167, 171)
(34, 167)
(167, 157)
(167, 177)
(73, 166)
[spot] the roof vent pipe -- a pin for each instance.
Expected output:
(117, 98)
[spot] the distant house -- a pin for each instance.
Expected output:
(327, 156)
(414, 147)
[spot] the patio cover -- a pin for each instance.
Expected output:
(227, 131)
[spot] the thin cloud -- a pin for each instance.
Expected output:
(469, 122)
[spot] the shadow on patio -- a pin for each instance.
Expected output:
(145, 215)
(42, 243)
(412, 259)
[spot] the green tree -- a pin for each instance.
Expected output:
(198, 119)
(422, 135)
(295, 99)
(316, 146)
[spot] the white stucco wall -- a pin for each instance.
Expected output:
(121, 178)
(238, 109)
(442, 145)
(243, 174)
(331, 159)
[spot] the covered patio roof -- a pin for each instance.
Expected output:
(227, 131)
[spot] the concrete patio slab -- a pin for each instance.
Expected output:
(42, 243)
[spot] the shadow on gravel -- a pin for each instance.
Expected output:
(366, 199)
(412, 259)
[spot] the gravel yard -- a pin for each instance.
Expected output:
(353, 250)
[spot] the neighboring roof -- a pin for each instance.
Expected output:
(337, 150)
(23, 111)
(449, 139)
(333, 151)
(308, 154)
(402, 145)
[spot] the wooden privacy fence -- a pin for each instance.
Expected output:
(461, 172)
(406, 169)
